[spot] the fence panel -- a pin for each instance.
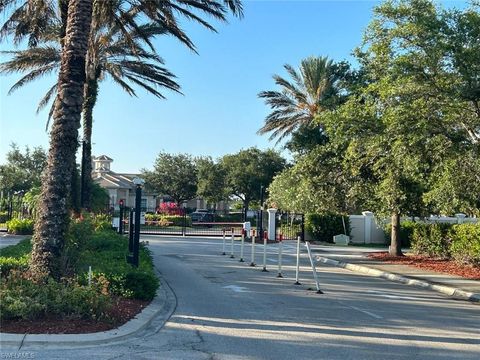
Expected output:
(290, 225)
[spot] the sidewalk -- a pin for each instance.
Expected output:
(355, 259)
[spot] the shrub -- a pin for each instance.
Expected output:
(406, 232)
(24, 299)
(431, 240)
(20, 226)
(102, 222)
(167, 220)
(465, 245)
(7, 264)
(106, 253)
(324, 227)
(3, 217)
(143, 285)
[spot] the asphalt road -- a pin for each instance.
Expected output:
(228, 310)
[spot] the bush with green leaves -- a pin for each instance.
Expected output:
(24, 299)
(465, 243)
(8, 264)
(106, 254)
(406, 232)
(432, 240)
(3, 217)
(20, 226)
(142, 284)
(167, 220)
(103, 250)
(323, 227)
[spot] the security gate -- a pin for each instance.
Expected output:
(290, 225)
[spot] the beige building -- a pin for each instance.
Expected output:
(119, 186)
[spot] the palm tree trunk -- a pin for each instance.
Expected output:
(52, 220)
(90, 94)
(396, 243)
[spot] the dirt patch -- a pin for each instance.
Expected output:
(437, 265)
(122, 311)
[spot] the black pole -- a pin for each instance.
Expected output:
(120, 222)
(130, 231)
(136, 235)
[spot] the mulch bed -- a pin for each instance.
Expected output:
(437, 265)
(122, 311)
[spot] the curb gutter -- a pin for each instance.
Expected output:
(446, 290)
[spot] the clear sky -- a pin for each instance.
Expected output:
(219, 112)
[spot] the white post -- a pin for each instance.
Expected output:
(297, 270)
(460, 218)
(223, 252)
(89, 276)
(252, 235)
(264, 252)
(314, 270)
(271, 224)
(231, 248)
(280, 248)
(368, 216)
(241, 246)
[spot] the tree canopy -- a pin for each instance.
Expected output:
(174, 175)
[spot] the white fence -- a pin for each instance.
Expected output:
(366, 229)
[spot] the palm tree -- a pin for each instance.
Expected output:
(43, 59)
(51, 225)
(111, 56)
(311, 90)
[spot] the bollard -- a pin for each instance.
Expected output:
(280, 248)
(253, 247)
(231, 248)
(314, 270)
(241, 245)
(223, 252)
(297, 270)
(89, 276)
(265, 252)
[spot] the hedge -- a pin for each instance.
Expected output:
(465, 243)
(323, 227)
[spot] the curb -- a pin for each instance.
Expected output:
(446, 290)
(161, 307)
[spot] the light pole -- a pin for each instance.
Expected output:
(138, 204)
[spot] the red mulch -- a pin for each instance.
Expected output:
(122, 311)
(437, 265)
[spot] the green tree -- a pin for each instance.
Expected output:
(211, 180)
(403, 125)
(248, 170)
(22, 170)
(174, 175)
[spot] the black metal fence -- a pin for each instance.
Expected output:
(290, 225)
(180, 223)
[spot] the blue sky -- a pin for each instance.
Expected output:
(219, 112)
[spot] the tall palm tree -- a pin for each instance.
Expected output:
(41, 60)
(124, 60)
(311, 90)
(52, 221)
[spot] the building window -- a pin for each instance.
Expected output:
(144, 204)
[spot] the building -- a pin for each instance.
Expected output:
(119, 186)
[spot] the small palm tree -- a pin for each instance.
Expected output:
(312, 90)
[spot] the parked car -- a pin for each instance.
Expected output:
(202, 215)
